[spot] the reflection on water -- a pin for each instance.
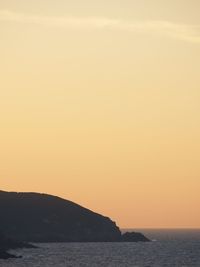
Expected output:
(172, 249)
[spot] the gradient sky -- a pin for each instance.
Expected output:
(99, 104)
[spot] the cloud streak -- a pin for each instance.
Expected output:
(189, 33)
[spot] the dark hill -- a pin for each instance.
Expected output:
(33, 217)
(44, 218)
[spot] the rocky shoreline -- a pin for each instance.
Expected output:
(7, 244)
(4, 255)
(43, 218)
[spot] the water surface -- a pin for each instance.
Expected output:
(172, 248)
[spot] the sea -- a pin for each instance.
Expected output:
(169, 248)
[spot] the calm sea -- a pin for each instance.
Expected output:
(171, 248)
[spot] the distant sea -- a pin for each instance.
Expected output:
(170, 248)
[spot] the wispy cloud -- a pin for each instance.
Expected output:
(189, 33)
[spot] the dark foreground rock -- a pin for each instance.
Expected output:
(4, 255)
(134, 237)
(7, 244)
(33, 217)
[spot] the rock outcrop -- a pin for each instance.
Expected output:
(7, 244)
(4, 255)
(134, 237)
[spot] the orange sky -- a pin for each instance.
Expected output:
(99, 104)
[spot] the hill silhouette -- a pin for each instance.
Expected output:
(34, 217)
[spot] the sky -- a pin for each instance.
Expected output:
(99, 104)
